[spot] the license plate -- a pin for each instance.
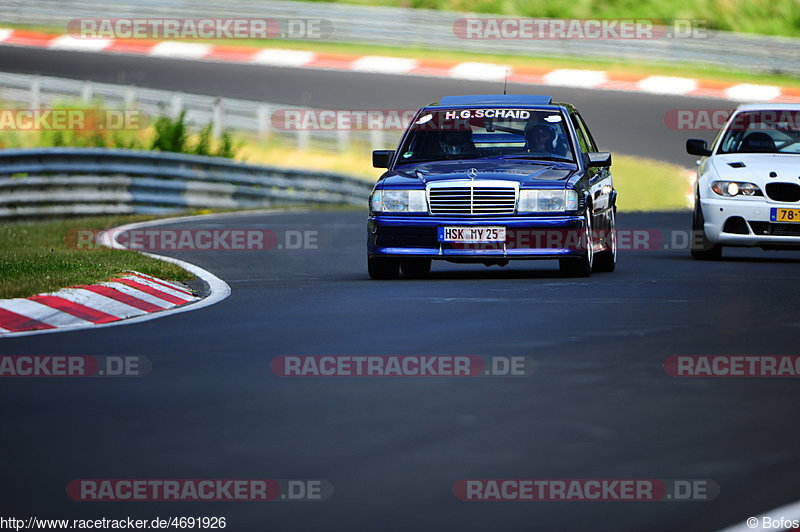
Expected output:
(472, 234)
(784, 215)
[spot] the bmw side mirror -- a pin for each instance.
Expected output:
(697, 147)
(382, 158)
(599, 159)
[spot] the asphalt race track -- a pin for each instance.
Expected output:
(598, 405)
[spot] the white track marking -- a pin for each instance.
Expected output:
(283, 58)
(745, 92)
(667, 85)
(480, 71)
(576, 78)
(182, 50)
(383, 65)
(68, 42)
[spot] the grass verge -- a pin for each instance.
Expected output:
(35, 257)
(649, 185)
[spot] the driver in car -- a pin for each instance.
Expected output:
(539, 140)
(456, 142)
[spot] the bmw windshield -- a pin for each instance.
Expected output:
(764, 131)
(488, 133)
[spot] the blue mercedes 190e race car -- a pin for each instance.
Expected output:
(488, 179)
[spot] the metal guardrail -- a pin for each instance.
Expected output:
(428, 29)
(74, 181)
(248, 116)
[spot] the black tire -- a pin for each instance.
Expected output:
(580, 266)
(606, 260)
(416, 266)
(383, 269)
(574, 267)
(703, 250)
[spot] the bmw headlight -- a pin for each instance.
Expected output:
(730, 189)
(398, 200)
(547, 200)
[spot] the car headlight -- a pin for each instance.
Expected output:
(547, 200)
(730, 189)
(398, 200)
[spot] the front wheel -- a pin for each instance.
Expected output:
(606, 260)
(581, 266)
(383, 269)
(416, 266)
(705, 249)
(574, 267)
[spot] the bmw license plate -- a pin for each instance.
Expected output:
(784, 215)
(466, 234)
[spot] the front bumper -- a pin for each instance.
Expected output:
(527, 237)
(746, 223)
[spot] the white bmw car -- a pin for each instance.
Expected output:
(748, 184)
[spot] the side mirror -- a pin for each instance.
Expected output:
(382, 158)
(697, 147)
(599, 159)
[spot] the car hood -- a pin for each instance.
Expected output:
(525, 172)
(756, 167)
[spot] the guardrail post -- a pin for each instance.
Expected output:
(264, 125)
(218, 118)
(376, 139)
(343, 139)
(176, 105)
(130, 98)
(303, 139)
(36, 92)
(87, 92)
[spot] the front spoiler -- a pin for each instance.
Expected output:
(417, 236)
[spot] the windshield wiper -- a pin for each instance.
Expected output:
(438, 159)
(537, 158)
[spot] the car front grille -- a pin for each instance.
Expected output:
(472, 200)
(788, 192)
(784, 229)
(759, 228)
(774, 229)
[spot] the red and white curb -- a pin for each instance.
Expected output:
(562, 77)
(129, 298)
(126, 296)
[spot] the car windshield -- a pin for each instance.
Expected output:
(773, 131)
(488, 132)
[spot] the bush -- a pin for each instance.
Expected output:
(171, 135)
